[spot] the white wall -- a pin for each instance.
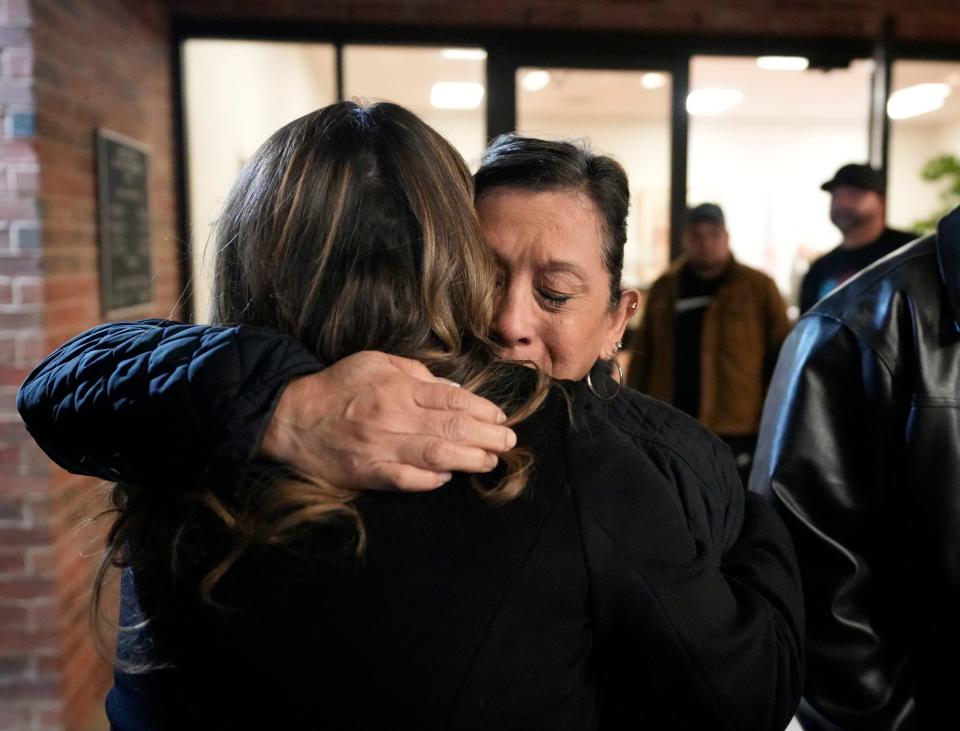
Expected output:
(767, 175)
(237, 94)
(912, 144)
(465, 130)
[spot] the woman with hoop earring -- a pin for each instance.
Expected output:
(625, 580)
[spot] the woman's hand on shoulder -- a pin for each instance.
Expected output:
(380, 421)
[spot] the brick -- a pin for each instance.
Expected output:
(18, 485)
(31, 348)
(28, 290)
(23, 180)
(30, 690)
(18, 208)
(15, 666)
(12, 564)
(43, 616)
(17, 12)
(15, 716)
(8, 401)
(19, 320)
(48, 716)
(10, 36)
(47, 667)
(17, 93)
(17, 63)
(38, 511)
(9, 457)
(28, 263)
(12, 151)
(13, 615)
(33, 462)
(75, 286)
(40, 562)
(12, 432)
(6, 290)
(11, 511)
(25, 588)
(25, 538)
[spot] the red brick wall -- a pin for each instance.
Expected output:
(928, 20)
(78, 65)
(29, 688)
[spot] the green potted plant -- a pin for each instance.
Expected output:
(940, 167)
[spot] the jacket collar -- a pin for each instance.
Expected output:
(948, 256)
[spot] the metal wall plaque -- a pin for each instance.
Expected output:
(124, 213)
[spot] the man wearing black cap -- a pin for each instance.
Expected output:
(710, 335)
(858, 209)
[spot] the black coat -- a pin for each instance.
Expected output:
(634, 584)
(860, 450)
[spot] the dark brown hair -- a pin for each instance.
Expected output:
(527, 163)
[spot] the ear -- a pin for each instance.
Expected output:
(619, 317)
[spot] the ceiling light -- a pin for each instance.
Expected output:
(783, 63)
(653, 80)
(464, 54)
(916, 100)
(456, 95)
(535, 80)
(705, 102)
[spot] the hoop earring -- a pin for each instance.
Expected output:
(616, 393)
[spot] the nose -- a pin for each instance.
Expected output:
(513, 322)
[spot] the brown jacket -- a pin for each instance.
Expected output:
(743, 329)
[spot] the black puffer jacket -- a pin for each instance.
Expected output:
(860, 449)
(636, 585)
(160, 402)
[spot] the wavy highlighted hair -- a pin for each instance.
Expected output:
(351, 228)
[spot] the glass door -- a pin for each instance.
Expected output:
(765, 133)
(621, 113)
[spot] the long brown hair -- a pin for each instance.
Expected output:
(351, 228)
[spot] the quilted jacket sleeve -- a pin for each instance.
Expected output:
(160, 402)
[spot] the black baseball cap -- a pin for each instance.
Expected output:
(706, 213)
(857, 175)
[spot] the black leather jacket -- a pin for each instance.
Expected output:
(859, 450)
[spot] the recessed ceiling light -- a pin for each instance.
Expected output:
(464, 54)
(916, 100)
(456, 95)
(535, 80)
(653, 80)
(783, 63)
(706, 102)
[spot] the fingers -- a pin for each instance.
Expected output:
(406, 478)
(439, 455)
(468, 432)
(448, 398)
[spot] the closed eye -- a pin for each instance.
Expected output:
(552, 298)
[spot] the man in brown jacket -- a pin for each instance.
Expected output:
(710, 335)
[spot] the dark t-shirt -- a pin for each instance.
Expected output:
(834, 268)
(693, 297)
